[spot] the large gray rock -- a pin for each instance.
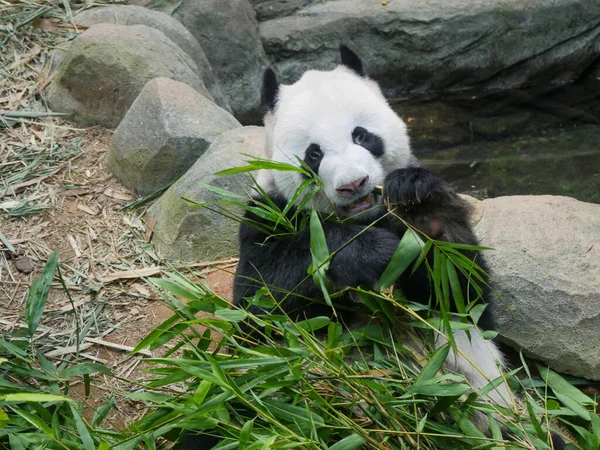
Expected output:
(168, 127)
(108, 65)
(228, 32)
(269, 9)
(546, 268)
(418, 46)
(173, 29)
(195, 234)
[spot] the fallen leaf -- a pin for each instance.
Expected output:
(90, 211)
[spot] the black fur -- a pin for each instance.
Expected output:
(268, 92)
(351, 60)
(362, 255)
(312, 157)
(369, 140)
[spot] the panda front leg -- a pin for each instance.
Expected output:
(419, 198)
(423, 200)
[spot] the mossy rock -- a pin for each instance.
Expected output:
(108, 65)
(186, 233)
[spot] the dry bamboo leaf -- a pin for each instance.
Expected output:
(91, 211)
(73, 244)
(75, 192)
(125, 348)
(150, 229)
(60, 351)
(119, 195)
(129, 274)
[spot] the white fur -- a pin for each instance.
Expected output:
(480, 361)
(324, 108)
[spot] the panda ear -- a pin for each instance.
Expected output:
(269, 91)
(351, 60)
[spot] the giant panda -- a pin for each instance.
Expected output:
(339, 124)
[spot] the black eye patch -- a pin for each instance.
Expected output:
(313, 156)
(368, 140)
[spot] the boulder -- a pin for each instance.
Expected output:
(546, 268)
(197, 234)
(173, 29)
(416, 46)
(168, 127)
(227, 30)
(108, 65)
(269, 9)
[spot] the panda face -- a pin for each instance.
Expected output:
(341, 126)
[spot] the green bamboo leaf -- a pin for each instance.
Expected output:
(320, 255)
(434, 365)
(408, 249)
(156, 333)
(7, 243)
(35, 397)
(352, 442)
(457, 293)
(314, 323)
(536, 425)
(84, 369)
(84, 434)
(294, 414)
(489, 334)
(568, 394)
(595, 419)
(433, 389)
(15, 442)
(101, 413)
(38, 294)
(245, 433)
(259, 163)
(177, 289)
(231, 315)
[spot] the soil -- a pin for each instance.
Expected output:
(94, 240)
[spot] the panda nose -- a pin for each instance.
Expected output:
(355, 187)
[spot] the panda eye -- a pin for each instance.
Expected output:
(359, 135)
(314, 152)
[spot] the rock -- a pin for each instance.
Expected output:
(546, 268)
(108, 65)
(168, 127)
(227, 30)
(269, 9)
(198, 234)
(416, 46)
(173, 29)
(24, 264)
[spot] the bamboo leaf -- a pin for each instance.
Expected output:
(35, 397)
(38, 294)
(352, 442)
(408, 249)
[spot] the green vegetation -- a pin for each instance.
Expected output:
(311, 384)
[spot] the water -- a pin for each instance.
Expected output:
(511, 143)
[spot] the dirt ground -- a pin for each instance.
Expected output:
(98, 247)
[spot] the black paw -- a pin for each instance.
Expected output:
(412, 186)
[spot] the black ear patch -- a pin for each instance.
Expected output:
(268, 92)
(351, 60)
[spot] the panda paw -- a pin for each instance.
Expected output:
(412, 186)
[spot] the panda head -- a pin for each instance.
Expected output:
(339, 123)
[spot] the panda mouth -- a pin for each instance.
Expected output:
(362, 204)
